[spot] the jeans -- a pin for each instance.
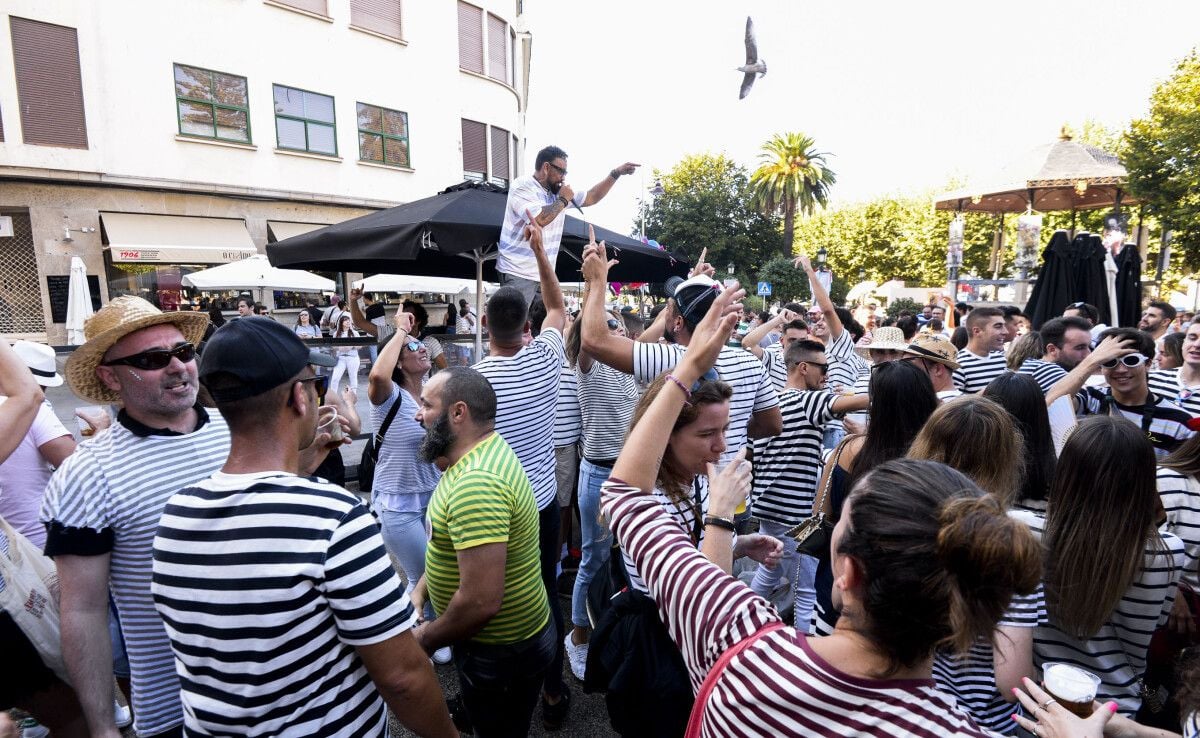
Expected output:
(832, 437)
(529, 288)
(802, 570)
(549, 524)
(347, 364)
(595, 536)
(500, 683)
(404, 537)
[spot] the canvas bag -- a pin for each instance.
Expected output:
(30, 596)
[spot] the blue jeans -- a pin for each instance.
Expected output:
(832, 437)
(800, 569)
(595, 537)
(404, 537)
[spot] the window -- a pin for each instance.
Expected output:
(380, 16)
(383, 135)
(470, 37)
(497, 52)
(212, 104)
(500, 169)
(304, 121)
(49, 83)
(474, 150)
(318, 7)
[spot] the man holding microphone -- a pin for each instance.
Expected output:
(546, 194)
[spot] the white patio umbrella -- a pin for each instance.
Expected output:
(409, 284)
(256, 273)
(861, 290)
(79, 302)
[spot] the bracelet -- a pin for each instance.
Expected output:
(614, 174)
(563, 200)
(719, 522)
(686, 392)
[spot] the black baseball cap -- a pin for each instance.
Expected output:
(252, 355)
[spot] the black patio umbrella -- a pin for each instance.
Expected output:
(1129, 285)
(1055, 285)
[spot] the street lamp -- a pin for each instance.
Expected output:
(821, 254)
(731, 269)
(862, 275)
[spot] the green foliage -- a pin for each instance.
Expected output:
(1162, 154)
(787, 282)
(900, 304)
(706, 204)
(792, 177)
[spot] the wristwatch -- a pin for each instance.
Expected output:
(719, 522)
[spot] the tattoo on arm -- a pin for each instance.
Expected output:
(550, 212)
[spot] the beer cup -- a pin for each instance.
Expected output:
(1071, 687)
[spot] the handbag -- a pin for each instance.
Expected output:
(370, 452)
(30, 597)
(812, 536)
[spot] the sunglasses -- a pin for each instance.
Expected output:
(156, 358)
(414, 346)
(612, 324)
(557, 168)
(1129, 360)
(815, 316)
(824, 367)
(320, 384)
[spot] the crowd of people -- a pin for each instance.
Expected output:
(803, 525)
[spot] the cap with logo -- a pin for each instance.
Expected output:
(695, 295)
(252, 355)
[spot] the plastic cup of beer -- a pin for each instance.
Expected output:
(329, 424)
(88, 418)
(1070, 686)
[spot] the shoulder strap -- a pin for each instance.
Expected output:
(387, 421)
(837, 456)
(696, 719)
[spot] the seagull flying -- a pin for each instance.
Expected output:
(754, 65)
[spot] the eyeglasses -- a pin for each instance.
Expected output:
(824, 367)
(156, 358)
(320, 384)
(612, 324)
(414, 346)
(1129, 360)
(708, 376)
(557, 168)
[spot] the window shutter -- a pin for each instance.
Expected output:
(320, 7)
(497, 59)
(474, 146)
(470, 37)
(516, 160)
(500, 168)
(380, 16)
(49, 83)
(1, 128)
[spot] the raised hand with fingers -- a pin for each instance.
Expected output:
(595, 260)
(533, 233)
(713, 331)
(802, 262)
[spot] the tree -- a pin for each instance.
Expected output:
(792, 177)
(787, 282)
(706, 204)
(1162, 154)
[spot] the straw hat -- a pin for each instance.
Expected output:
(120, 317)
(935, 348)
(885, 337)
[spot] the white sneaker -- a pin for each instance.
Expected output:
(31, 729)
(442, 655)
(577, 655)
(121, 715)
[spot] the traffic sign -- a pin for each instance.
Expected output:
(764, 289)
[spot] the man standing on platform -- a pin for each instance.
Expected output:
(546, 195)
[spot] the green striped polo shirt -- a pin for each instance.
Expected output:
(486, 498)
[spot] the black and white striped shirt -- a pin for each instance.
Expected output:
(567, 422)
(1045, 373)
(266, 582)
(1117, 652)
(1181, 500)
(1165, 383)
(1167, 427)
(787, 466)
(607, 398)
(772, 359)
(845, 367)
(976, 372)
(526, 386)
(107, 497)
(740, 369)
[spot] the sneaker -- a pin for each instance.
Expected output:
(122, 715)
(31, 729)
(553, 716)
(442, 655)
(577, 655)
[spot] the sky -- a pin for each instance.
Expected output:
(904, 96)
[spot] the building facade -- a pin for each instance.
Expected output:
(153, 139)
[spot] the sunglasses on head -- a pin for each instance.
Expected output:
(320, 384)
(156, 358)
(1129, 360)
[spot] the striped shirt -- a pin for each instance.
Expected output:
(1166, 383)
(266, 582)
(778, 685)
(526, 386)
(1117, 652)
(971, 678)
(107, 497)
(403, 481)
(527, 195)
(684, 513)
(485, 498)
(1167, 426)
(845, 367)
(772, 359)
(975, 372)
(568, 426)
(1181, 499)
(1045, 373)
(787, 466)
(607, 398)
(740, 369)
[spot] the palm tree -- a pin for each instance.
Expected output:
(791, 176)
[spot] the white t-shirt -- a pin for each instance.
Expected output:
(525, 194)
(24, 474)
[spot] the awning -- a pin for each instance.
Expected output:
(278, 230)
(175, 239)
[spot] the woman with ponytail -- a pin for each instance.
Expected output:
(921, 560)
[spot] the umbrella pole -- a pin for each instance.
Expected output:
(478, 305)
